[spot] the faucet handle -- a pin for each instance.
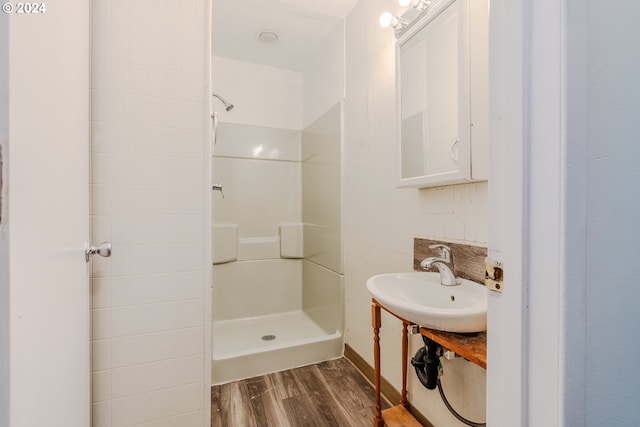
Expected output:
(445, 251)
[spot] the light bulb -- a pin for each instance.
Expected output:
(418, 4)
(385, 19)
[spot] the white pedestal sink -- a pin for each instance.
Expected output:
(420, 298)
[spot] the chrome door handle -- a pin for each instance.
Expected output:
(102, 249)
(218, 187)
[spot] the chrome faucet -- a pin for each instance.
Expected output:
(444, 264)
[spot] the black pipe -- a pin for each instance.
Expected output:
(419, 364)
(427, 363)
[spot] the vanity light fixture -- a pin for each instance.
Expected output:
(417, 4)
(388, 20)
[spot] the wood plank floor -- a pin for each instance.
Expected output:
(328, 394)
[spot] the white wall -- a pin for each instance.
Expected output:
(275, 97)
(262, 95)
(324, 76)
(4, 238)
(149, 156)
(612, 214)
(381, 221)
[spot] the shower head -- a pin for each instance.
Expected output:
(227, 105)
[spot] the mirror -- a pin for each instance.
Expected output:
(433, 97)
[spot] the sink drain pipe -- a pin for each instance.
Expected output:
(427, 363)
(429, 369)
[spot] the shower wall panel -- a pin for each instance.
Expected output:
(322, 296)
(258, 195)
(257, 288)
(322, 189)
(262, 287)
(257, 142)
(260, 171)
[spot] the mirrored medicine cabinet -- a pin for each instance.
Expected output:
(442, 95)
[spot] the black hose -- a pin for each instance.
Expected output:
(453, 411)
(427, 365)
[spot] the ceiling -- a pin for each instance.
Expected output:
(301, 26)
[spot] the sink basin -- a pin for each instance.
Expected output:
(420, 298)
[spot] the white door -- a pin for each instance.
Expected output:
(537, 226)
(48, 218)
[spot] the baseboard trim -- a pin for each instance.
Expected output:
(389, 392)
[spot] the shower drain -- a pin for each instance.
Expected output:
(268, 337)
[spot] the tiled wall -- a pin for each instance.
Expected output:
(148, 166)
(381, 220)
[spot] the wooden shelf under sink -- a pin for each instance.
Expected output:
(472, 347)
(398, 416)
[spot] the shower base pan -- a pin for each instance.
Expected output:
(245, 348)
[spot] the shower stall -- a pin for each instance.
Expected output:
(277, 291)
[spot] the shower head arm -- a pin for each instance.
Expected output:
(227, 105)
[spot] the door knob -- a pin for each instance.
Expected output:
(102, 249)
(218, 187)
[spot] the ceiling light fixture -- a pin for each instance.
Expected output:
(267, 36)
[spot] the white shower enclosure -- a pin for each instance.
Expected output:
(277, 296)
